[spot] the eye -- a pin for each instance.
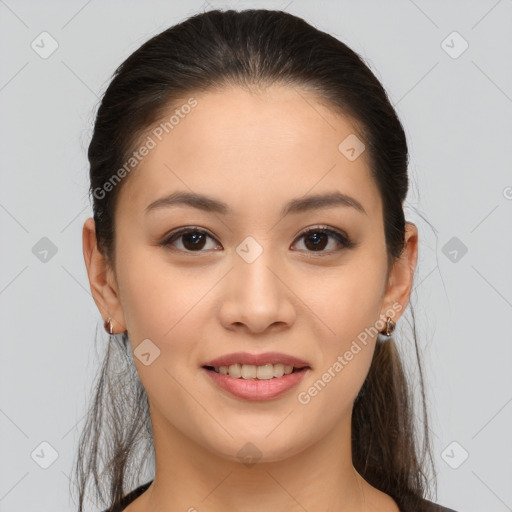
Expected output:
(190, 239)
(316, 239)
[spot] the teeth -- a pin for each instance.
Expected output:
(250, 371)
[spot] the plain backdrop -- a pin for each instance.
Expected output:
(446, 67)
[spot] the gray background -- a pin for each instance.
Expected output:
(457, 111)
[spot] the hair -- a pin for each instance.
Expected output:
(251, 49)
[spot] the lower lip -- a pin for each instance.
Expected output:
(255, 389)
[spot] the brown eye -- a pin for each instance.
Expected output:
(191, 240)
(317, 239)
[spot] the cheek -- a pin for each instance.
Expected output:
(345, 356)
(161, 301)
(160, 305)
(346, 299)
(148, 304)
(331, 395)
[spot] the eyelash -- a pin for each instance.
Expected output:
(343, 240)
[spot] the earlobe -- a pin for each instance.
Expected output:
(101, 277)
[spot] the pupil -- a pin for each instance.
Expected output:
(196, 238)
(319, 238)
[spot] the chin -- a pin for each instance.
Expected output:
(260, 448)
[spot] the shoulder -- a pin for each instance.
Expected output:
(438, 508)
(426, 506)
(131, 496)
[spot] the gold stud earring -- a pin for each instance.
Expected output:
(108, 326)
(390, 327)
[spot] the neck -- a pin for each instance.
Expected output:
(190, 477)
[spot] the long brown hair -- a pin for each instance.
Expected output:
(250, 48)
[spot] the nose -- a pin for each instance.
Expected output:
(256, 296)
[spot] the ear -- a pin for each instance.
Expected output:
(102, 279)
(401, 275)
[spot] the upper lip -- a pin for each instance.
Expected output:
(257, 359)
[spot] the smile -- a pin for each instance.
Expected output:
(252, 387)
(251, 371)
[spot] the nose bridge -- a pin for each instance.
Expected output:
(252, 267)
(255, 295)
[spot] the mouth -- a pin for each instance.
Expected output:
(254, 372)
(263, 366)
(250, 376)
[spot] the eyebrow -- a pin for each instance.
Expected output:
(299, 205)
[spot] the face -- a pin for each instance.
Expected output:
(192, 284)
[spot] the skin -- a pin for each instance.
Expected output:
(255, 151)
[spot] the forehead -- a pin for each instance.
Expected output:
(251, 148)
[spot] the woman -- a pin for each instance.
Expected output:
(250, 257)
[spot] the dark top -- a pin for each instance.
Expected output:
(425, 506)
